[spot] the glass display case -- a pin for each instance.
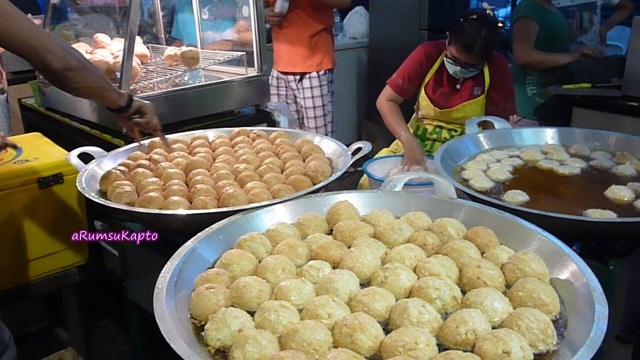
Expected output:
(191, 58)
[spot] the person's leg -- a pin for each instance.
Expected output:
(7, 346)
(281, 91)
(315, 96)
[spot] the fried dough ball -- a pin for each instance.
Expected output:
(317, 157)
(439, 266)
(178, 155)
(175, 183)
(162, 168)
(226, 159)
(275, 316)
(255, 243)
(278, 191)
(218, 143)
(426, 240)
(224, 325)
(525, 264)
(233, 197)
(393, 233)
(122, 169)
(396, 278)
(299, 182)
(222, 175)
(373, 301)
(294, 249)
(144, 164)
(601, 213)
(173, 174)
(257, 134)
(151, 200)
(339, 282)
(314, 270)
(309, 149)
(411, 341)
(533, 293)
(343, 354)
(246, 177)
(482, 237)
(267, 169)
(265, 155)
(326, 309)
(242, 139)
(341, 210)
(282, 141)
(224, 185)
(213, 276)
(499, 255)
(534, 326)
(308, 336)
(254, 344)
(330, 251)
(198, 172)
(262, 148)
(278, 134)
(273, 179)
(206, 300)
(300, 143)
(407, 254)
(249, 292)
(460, 251)
(461, 330)
(284, 149)
(124, 195)
(318, 171)
(179, 147)
(624, 170)
(378, 217)
(314, 240)
(278, 232)
(442, 294)
(414, 312)
(259, 195)
(126, 163)
(109, 177)
(491, 302)
(295, 291)
(448, 229)
(291, 157)
(272, 161)
(173, 191)
(137, 175)
(456, 355)
(516, 197)
(311, 223)
(202, 180)
(238, 169)
(358, 332)
(289, 355)
(378, 247)
(223, 150)
(503, 344)
(479, 273)
(276, 268)
(363, 262)
(418, 220)
(150, 182)
(254, 185)
(249, 160)
(204, 203)
(198, 191)
(117, 185)
(237, 263)
(346, 231)
(618, 194)
(196, 163)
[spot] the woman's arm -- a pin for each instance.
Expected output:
(624, 8)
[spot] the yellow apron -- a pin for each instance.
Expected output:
(433, 126)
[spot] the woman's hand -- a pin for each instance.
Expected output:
(589, 51)
(142, 116)
(413, 154)
(5, 143)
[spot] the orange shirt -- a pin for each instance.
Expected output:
(304, 41)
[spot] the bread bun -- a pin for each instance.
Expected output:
(105, 64)
(142, 53)
(100, 41)
(171, 55)
(82, 47)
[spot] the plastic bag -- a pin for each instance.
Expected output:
(356, 23)
(281, 114)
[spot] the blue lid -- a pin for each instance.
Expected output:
(365, 169)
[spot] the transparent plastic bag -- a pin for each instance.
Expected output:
(281, 114)
(356, 23)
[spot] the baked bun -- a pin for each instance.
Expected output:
(171, 55)
(100, 41)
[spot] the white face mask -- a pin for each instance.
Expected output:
(459, 72)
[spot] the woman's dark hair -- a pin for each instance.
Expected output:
(476, 32)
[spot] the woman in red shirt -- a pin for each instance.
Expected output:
(457, 79)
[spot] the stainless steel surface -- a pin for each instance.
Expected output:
(135, 8)
(175, 221)
(457, 151)
(586, 306)
(159, 25)
(630, 84)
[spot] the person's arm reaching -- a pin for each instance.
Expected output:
(624, 8)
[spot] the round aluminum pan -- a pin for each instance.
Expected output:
(586, 305)
(456, 152)
(177, 221)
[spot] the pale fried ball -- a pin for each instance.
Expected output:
(373, 301)
(358, 332)
(204, 203)
(414, 312)
(310, 149)
(341, 210)
(175, 183)
(224, 150)
(415, 342)
(224, 325)
(175, 203)
(479, 273)
(262, 148)
(156, 144)
(273, 161)
(278, 232)
(233, 197)
(295, 291)
(123, 170)
(249, 292)
(362, 261)
(248, 188)
(136, 176)
(228, 159)
(314, 240)
(264, 154)
(258, 195)
(219, 167)
(201, 190)
(393, 233)
(439, 266)
(294, 249)
(151, 190)
(343, 354)
(207, 151)
(289, 355)
(493, 304)
(155, 182)
(117, 185)
(396, 278)
(258, 134)
(195, 163)
(272, 179)
(179, 148)
(298, 182)
(178, 155)
(267, 169)
(442, 294)
(525, 264)
(278, 134)
(300, 143)
(276, 268)
(244, 149)
(206, 300)
(242, 139)
(237, 263)
(283, 149)
(109, 177)
(155, 160)
(318, 171)
(213, 276)
(240, 132)
(225, 185)
(281, 190)
(461, 330)
(253, 344)
(339, 282)
(448, 229)
(173, 174)
(175, 191)
(125, 196)
(534, 326)
(619, 194)
(294, 162)
(180, 164)
(317, 157)
(373, 244)
(407, 254)
(534, 293)
(378, 217)
(282, 141)
(330, 251)
(222, 175)
(308, 336)
(144, 164)
(346, 231)
(246, 177)
(162, 167)
(503, 344)
(195, 173)
(128, 164)
(250, 160)
(151, 200)
(238, 169)
(418, 220)
(499, 255)
(275, 315)
(137, 155)
(456, 355)
(220, 143)
(482, 237)
(326, 309)
(255, 243)
(460, 251)
(311, 223)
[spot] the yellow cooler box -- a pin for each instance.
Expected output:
(40, 209)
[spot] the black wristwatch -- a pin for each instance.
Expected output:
(124, 109)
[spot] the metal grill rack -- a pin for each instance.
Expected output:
(157, 75)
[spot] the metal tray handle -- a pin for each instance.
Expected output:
(441, 187)
(364, 148)
(74, 159)
(471, 125)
